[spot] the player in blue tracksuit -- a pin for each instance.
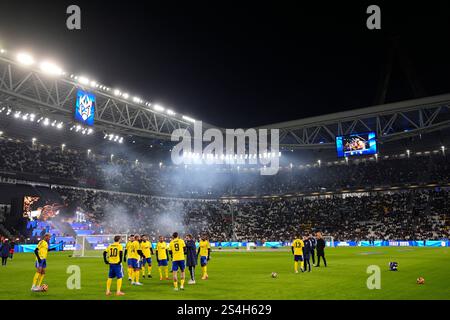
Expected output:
(307, 253)
(191, 257)
(313, 247)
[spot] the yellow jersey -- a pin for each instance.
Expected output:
(204, 246)
(161, 247)
(43, 249)
(298, 245)
(145, 247)
(128, 248)
(113, 252)
(133, 251)
(177, 246)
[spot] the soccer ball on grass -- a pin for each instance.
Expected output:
(274, 275)
(420, 280)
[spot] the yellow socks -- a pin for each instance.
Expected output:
(296, 266)
(130, 273)
(36, 278)
(108, 285)
(302, 264)
(175, 284)
(167, 271)
(136, 276)
(160, 272)
(40, 279)
(119, 284)
(182, 283)
(149, 270)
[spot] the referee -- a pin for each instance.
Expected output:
(320, 248)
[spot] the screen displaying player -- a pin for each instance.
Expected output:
(34, 208)
(85, 107)
(356, 144)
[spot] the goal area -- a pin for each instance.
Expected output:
(329, 241)
(94, 245)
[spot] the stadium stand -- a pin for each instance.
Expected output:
(401, 197)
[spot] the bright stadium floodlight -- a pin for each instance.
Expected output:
(59, 125)
(157, 107)
(94, 84)
(170, 112)
(188, 119)
(136, 100)
(125, 95)
(25, 58)
(83, 80)
(51, 68)
(117, 92)
(2, 51)
(1, 132)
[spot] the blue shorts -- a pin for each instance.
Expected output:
(163, 263)
(42, 264)
(134, 263)
(115, 271)
(203, 261)
(176, 264)
(147, 260)
(298, 258)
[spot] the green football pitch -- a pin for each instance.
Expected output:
(247, 275)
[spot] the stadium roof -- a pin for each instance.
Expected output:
(390, 121)
(49, 92)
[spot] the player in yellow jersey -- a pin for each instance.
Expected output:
(113, 256)
(297, 251)
(147, 251)
(177, 249)
(162, 257)
(134, 258)
(41, 253)
(204, 252)
(127, 250)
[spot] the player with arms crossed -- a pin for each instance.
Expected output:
(204, 251)
(113, 256)
(162, 257)
(41, 252)
(297, 251)
(177, 249)
(127, 251)
(147, 251)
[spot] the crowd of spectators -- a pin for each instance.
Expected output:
(207, 182)
(401, 215)
(129, 197)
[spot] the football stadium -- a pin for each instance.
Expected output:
(108, 194)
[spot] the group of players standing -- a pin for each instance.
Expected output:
(138, 253)
(305, 248)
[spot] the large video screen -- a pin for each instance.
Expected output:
(35, 208)
(356, 144)
(85, 107)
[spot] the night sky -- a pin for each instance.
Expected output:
(241, 66)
